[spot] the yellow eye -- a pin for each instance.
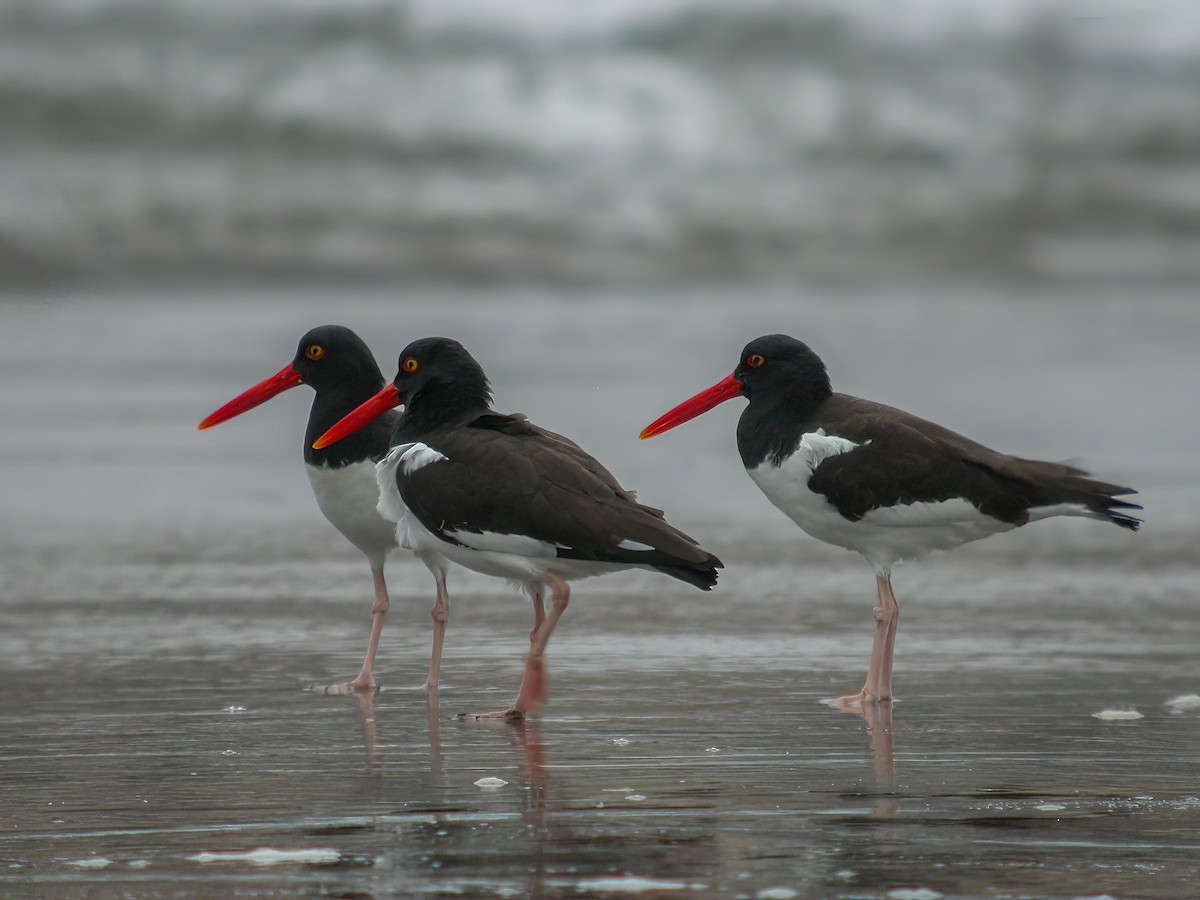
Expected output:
(314, 352)
(754, 360)
(409, 365)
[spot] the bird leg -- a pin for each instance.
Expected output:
(539, 615)
(441, 615)
(878, 687)
(535, 683)
(365, 680)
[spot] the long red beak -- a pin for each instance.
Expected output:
(283, 380)
(698, 405)
(388, 398)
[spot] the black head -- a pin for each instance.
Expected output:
(776, 370)
(438, 380)
(334, 357)
(779, 365)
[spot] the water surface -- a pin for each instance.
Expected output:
(169, 595)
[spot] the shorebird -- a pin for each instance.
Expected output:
(338, 365)
(499, 495)
(874, 479)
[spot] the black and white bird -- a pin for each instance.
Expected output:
(499, 495)
(874, 479)
(340, 368)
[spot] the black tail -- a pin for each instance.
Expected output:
(703, 575)
(1112, 507)
(1101, 498)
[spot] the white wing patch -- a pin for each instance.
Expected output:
(633, 545)
(404, 459)
(418, 456)
(390, 506)
(817, 446)
(513, 544)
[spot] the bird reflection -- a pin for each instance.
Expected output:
(533, 758)
(877, 718)
(371, 738)
(540, 802)
(435, 731)
(370, 731)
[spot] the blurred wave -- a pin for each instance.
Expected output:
(677, 139)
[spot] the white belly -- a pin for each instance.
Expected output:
(885, 535)
(348, 497)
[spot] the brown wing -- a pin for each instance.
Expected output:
(503, 475)
(905, 459)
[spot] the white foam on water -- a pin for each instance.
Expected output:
(1118, 715)
(269, 856)
(914, 894)
(97, 862)
(778, 893)
(490, 782)
(1050, 807)
(1183, 703)
(631, 884)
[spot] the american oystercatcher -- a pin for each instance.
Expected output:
(878, 480)
(338, 365)
(501, 496)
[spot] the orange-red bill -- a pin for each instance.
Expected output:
(388, 398)
(283, 380)
(698, 405)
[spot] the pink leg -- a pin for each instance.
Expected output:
(365, 680)
(539, 616)
(441, 615)
(882, 688)
(878, 687)
(535, 682)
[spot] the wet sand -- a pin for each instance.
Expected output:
(684, 742)
(167, 597)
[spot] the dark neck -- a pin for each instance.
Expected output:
(770, 427)
(330, 405)
(439, 405)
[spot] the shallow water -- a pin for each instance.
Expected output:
(168, 596)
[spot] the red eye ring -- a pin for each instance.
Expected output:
(314, 352)
(409, 365)
(755, 360)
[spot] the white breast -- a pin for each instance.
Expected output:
(347, 497)
(885, 535)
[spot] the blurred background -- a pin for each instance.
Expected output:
(606, 142)
(985, 212)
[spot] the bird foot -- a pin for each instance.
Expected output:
(346, 688)
(854, 703)
(512, 714)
